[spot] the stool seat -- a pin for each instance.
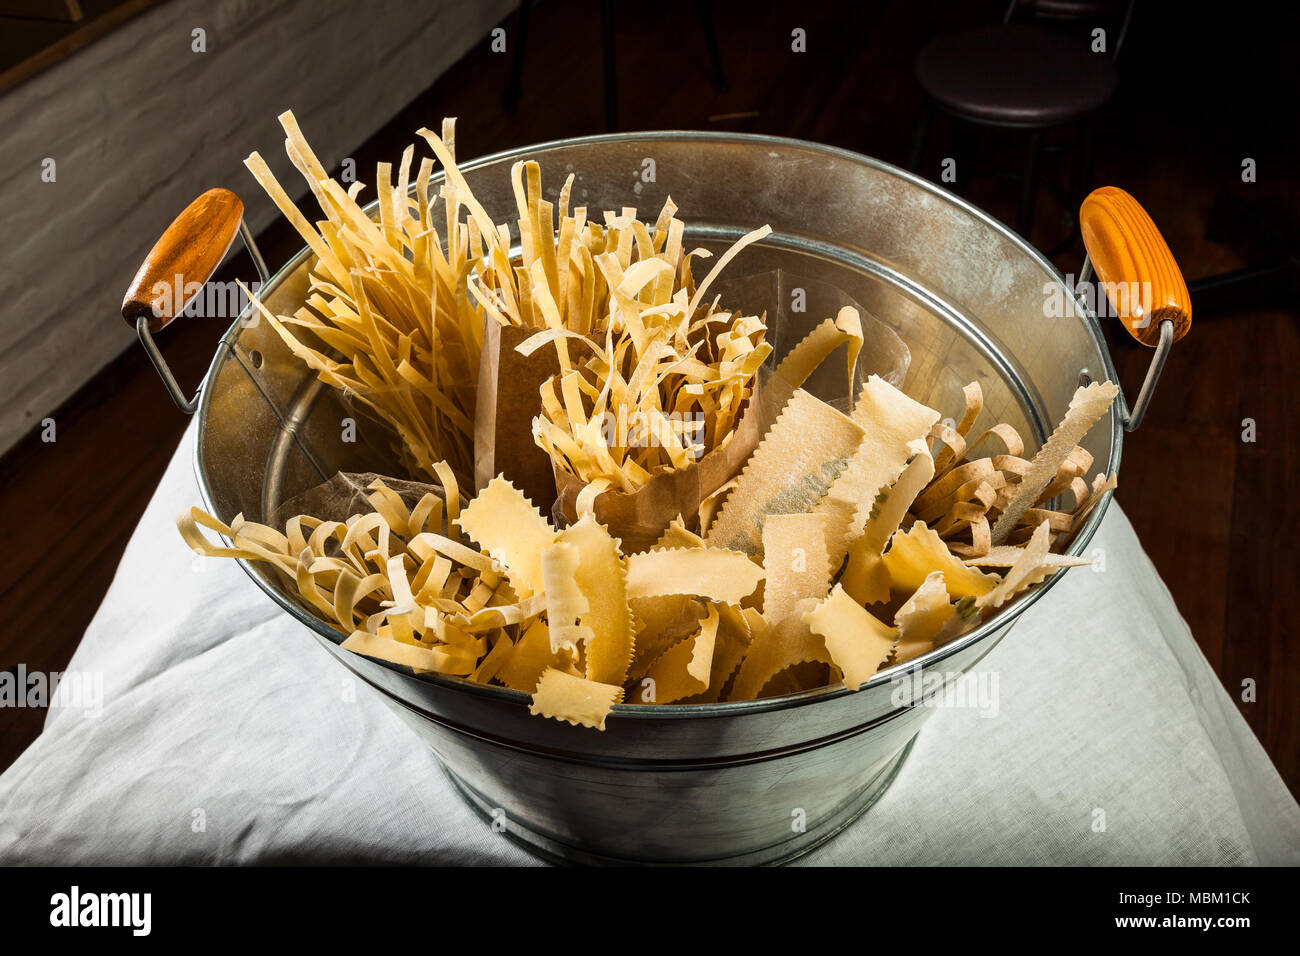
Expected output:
(1017, 74)
(1066, 9)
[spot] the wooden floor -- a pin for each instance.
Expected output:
(1215, 513)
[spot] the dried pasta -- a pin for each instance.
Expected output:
(843, 544)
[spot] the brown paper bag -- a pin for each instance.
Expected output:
(509, 398)
(639, 519)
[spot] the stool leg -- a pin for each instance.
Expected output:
(922, 135)
(514, 89)
(1081, 169)
(611, 77)
(1029, 187)
(968, 140)
(705, 10)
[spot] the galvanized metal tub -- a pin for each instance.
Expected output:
(762, 781)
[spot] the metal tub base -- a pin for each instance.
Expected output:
(553, 850)
(760, 787)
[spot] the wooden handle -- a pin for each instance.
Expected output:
(1134, 264)
(188, 252)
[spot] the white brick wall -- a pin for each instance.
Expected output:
(139, 125)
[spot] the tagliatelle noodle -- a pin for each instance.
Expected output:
(1056, 520)
(775, 649)
(1089, 403)
(1004, 556)
(731, 642)
(436, 659)
(600, 575)
(1072, 470)
(957, 484)
(566, 605)
(1010, 438)
(891, 424)
(856, 640)
(684, 670)
(803, 453)
(512, 531)
(189, 523)
(865, 577)
(726, 577)
(1030, 568)
(532, 655)
(667, 360)
(796, 562)
(955, 438)
(575, 700)
(845, 329)
(396, 589)
(1101, 484)
(969, 496)
(502, 650)
(915, 553)
(661, 621)
(922, 617)
(386, 297)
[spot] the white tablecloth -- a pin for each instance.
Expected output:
(227, 735)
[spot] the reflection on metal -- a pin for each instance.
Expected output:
(1139, 409)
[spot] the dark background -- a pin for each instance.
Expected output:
(1201, 88)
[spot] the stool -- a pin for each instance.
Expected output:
(1019, 76)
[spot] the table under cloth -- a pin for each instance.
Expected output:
(227, 735)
